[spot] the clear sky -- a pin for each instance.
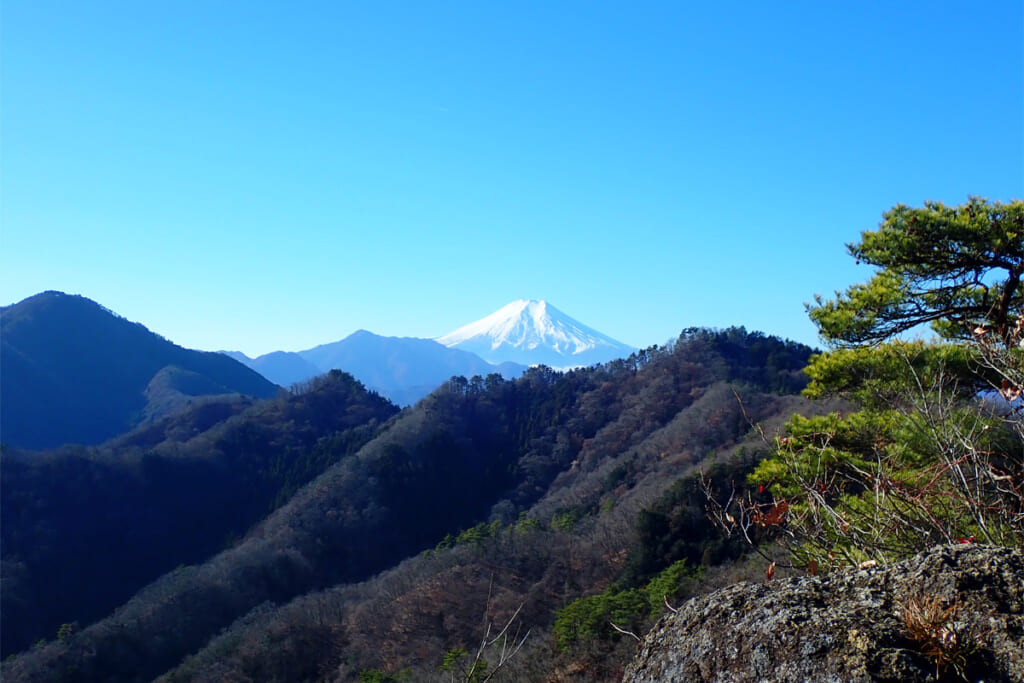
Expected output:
(261, 176)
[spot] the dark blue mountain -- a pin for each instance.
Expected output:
(72, 371)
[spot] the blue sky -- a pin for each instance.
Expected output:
(261, 176)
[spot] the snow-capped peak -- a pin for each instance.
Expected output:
(534, 332)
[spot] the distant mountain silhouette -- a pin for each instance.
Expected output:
(404, 369)
(280, 367)
(72, 371)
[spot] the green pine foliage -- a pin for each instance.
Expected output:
(375, 676)
(591, 618)
(955, 267)
(595, 617)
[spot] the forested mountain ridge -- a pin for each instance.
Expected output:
(568, 459)
(75, 372)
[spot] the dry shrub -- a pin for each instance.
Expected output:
(934, 625)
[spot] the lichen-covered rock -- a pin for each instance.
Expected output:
(952, 613)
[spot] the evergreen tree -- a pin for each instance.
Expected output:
(934, 451)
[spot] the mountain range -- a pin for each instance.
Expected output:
(405, 369)
(75, 372)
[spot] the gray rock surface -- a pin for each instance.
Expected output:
(851, 625)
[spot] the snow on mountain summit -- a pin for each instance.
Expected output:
(534, 332)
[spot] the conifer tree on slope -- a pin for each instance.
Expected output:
(935, 450)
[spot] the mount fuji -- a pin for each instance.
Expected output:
(534, 332)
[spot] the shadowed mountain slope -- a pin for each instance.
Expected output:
(84, 528)
(74, 372)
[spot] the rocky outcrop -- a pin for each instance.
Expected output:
(952, 613)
